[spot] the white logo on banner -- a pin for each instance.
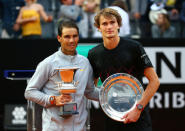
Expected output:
(168, 100)
(19, 115)
(169, 62)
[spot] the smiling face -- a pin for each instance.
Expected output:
(69, 40)
(108, 26)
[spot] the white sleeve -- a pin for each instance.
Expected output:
(91, 92)
(33, 90)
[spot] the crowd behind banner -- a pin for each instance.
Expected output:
(141, 18)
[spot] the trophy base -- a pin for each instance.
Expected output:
(68, 109)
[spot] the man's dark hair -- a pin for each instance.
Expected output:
(67, 24)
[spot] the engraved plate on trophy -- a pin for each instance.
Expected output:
(67, 86)
(119, 94)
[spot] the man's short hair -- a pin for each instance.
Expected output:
(67, 24)
(109, 13)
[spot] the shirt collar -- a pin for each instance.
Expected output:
(67, 57)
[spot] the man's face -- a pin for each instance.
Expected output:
(69, 40)
(108, 26)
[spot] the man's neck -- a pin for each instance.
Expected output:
(111, 43)
(68, 53)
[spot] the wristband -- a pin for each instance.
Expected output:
(52, 100)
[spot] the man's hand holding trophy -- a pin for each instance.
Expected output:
(62, 99)
(66, 87)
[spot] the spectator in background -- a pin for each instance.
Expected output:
(182, 17)
(1, 14)
(121, 7)
(174, 8)
(9, 10)
(139, 14)
(170, 6)
(90, 7)
(29, 19)
(156, 8)
(71, 10)
(105, 3)
(162, 28)
(50, 7)
(79, 2)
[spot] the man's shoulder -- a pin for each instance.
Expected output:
(49, 59)
(96, 49)
(81, 57)
(83, 60)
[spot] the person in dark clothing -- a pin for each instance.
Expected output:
(182, 18)
(175, 8)
(9, 10)
(122, 55)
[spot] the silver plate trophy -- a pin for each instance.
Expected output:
(67, 86)
(119, 94)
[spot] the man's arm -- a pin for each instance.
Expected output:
(33, 90)
(92, 92)
(151, 89)
(152, 86)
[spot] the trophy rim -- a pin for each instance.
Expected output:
(106, 107)
(68, 68)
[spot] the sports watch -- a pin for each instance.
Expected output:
(140, 107)
(52, 100)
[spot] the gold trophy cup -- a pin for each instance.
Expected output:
(67, 86)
